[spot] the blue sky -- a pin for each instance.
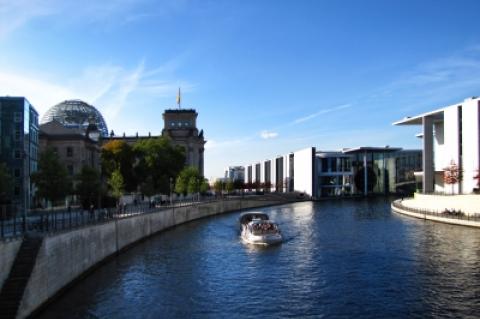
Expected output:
(267, 77)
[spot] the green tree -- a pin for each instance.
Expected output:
(158, 161)
(193, 185)
(229, 186)
(218, 186)
(89, 186)
(119, 155)
(5, 184)
(51, 179)
(116, 184)
(204, 186)
(188, 181)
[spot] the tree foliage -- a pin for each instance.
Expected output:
(452, 174)
(157, 161)
(229, 186)
(88, 186)
(119, 155)
(116, 184)
(51, 178)
(204, 186)
(477, 177)
(218, 186)
(188, 181)
(6, 184)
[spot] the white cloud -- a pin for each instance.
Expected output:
(267, 134)
(14, 14)
(41, 93)
(106, 86)
(323, 111)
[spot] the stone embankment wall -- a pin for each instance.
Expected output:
(399, 208)
(8, 251)
(64, 257)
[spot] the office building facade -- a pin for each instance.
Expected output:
(451, 143)
(19, 148)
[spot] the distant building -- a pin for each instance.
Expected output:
(355, 171)
(19, 146)
(451, 137)
(235, 173)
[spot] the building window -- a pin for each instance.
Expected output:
(17, 117)
(70, 170)
(69, 151)
(18, 133)
(17, 172)
(18, 154)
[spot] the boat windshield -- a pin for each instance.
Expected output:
(260, 228)
(248, 217)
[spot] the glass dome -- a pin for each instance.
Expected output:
(76, 113)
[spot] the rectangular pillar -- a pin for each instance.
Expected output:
(428, 171)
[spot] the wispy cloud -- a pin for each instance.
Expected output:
(18, 13)
(14, 14)
(321, 112)
(106, 86)
(268, 134)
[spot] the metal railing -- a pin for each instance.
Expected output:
(443, 214)
(48, 221)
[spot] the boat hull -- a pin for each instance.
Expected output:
(264, 239)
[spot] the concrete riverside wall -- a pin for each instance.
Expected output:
(446, 220)
(65, 256)
(8, 251)
(469, 204)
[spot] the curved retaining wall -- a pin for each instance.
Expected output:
(454, 221)
(8, 251)
(64, 257)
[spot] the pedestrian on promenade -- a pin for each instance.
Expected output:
(92, 212)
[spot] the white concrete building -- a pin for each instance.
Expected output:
(353, 171)
(450, 135)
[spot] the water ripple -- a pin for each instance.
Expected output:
(340, 259)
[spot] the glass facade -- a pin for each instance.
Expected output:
(76, 114)
(19, 147)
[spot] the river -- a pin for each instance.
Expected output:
(340, 259)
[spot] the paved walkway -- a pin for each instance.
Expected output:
(467, 204)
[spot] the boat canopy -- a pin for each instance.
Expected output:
(248, 217)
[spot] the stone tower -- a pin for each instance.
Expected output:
(180, 125)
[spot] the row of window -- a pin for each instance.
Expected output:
(180, 124)
(69, 151)
(335, 164)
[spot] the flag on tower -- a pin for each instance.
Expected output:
(179, 99)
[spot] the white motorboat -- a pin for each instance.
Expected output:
(258, 229)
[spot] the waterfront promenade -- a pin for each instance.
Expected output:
(461, 210)
(64, 256)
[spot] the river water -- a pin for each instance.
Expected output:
(340, 259)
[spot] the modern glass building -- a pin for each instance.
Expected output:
(19, 148)
(76, 114)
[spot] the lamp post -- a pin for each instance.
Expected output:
(171, 188)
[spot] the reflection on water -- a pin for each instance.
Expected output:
(350, 258)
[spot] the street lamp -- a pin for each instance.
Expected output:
(171, 188)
